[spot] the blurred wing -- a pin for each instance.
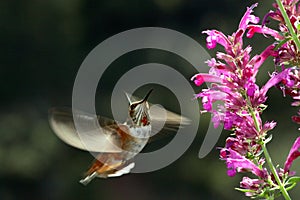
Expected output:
(62, 123)
(165, 123)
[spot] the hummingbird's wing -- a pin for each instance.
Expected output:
(61, 121)
(165, 123)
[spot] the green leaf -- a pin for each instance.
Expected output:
(291, 187)
(294, 179)
(244, 190)
(282, 42)
(292, 182)
(268, 139)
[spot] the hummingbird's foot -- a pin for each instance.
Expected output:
(122, 171)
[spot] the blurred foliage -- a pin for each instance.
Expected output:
(43, 45)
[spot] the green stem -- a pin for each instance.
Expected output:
(288, 24)
(267, 155)
(255, 119)
(274, 172)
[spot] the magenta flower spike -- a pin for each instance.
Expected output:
(233, 81)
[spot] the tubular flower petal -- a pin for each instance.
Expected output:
(199, 79)
(248, 18)
(294, 153)
(252, 29)
(274, 80)
(215, 37)
(237, 163)
(254, 186)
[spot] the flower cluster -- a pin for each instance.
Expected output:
(233, 81)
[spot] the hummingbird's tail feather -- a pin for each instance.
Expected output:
(122, 171)
(88, 178)
(116, 173)
(101, 170)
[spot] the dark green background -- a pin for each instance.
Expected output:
(43, 43)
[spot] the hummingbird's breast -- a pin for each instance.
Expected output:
(139, 138)
(140, 131)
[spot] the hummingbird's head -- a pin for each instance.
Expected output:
(139, 111)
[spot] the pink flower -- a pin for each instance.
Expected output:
(268, 126)
(252, 29)
(209, 97)
(233, 75)
(237, 163)
(242, 145)
(215, 37)
(296, 118)
(254, 186)
(274, 80)
(248, 18)
(201, 78)
(287, 50)
(233, 82)
(294, 153)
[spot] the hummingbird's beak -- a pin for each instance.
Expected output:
(128, 98)
(147, 95)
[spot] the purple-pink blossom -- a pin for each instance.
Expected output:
(238, 163)
(232, 79)
(247, 18)
(215, 37)
(294, 153)
(254, 186)
(201, 78)
(233, 74)
(252, 29)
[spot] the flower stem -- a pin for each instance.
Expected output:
(268, 157)
(273, 170)
(252, 114)
(288, 24)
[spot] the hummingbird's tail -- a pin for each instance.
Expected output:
(122, 171)
(88, 178)
(109, 172)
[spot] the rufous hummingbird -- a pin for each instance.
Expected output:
(130, 137)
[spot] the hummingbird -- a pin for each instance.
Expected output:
(130, 137)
